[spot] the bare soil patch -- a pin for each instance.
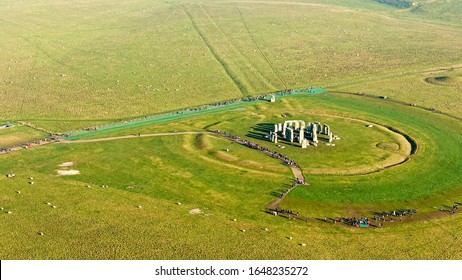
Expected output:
(67, 172)
(195, 211)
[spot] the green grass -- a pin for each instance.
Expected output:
(19, 134)
(421, 89)
(66, 65)
(122, 59)
(437, 137)
(100, 223)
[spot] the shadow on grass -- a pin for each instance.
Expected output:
(256, 135)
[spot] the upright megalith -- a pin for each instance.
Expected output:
(296, 125)
(315, 136)
(318, 127)
(305, 143)
(274, 137)
(290, 134)
(325, 129)
(284, 129)
(313, 129)
(305, 133)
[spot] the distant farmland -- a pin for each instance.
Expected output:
(119, 59)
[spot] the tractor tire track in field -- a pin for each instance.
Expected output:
(242, 88)
(257, 73)
(39, 46)
(260, 50)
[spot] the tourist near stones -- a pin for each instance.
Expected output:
(306, 135)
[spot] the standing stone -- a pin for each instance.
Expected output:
(296, 125)
(302, 126)
(290, 135)
(324, 129)
(275, 128)
(279, 126)
(318, 127)
(304, 143)
(330, 137)
(327, 129)
(273, 99)
(301, 137)
(284, 129)
(315, 136)
(274, 137)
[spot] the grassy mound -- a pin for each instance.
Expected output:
(388, 146)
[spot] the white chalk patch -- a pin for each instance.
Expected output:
(67, 172)
(195, 211)
(66, 164)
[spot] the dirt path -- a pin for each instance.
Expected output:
(134, 136)
(298, 174)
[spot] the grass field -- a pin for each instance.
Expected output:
(158, 172)
(422, 89)
(110, 60)
(69, 65)
(19, 134)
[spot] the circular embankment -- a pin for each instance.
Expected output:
(362, 146)
(449, 81)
